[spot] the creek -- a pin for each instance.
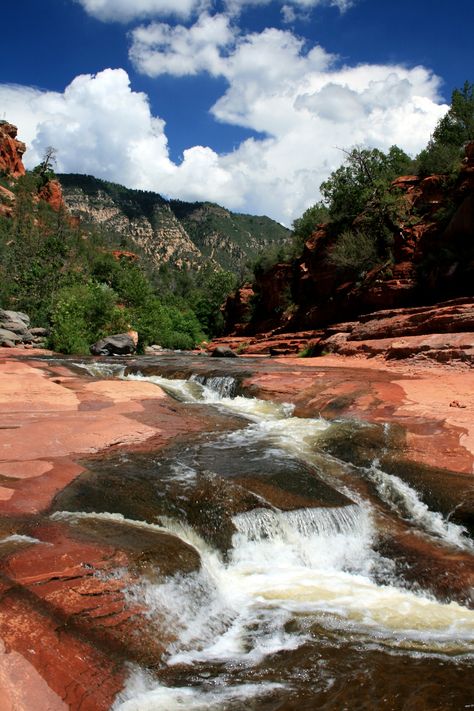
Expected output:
(298, 601)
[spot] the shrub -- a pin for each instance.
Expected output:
(355, 251)
(84, 313)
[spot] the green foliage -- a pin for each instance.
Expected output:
(70, 281)
(304, 226)
(270, 257)
(166, 325)
(44, 172)
(438, 158)
(366, 174)
(84, 313)
(133, 203)
(307, 352)
(457, 126)
(231, 239)
(242, 347)
(209, 296)
(355, 251)
(453, 130)
(37, 245)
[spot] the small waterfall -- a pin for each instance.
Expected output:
(102, 370)
(224, 385)
(405, 500)
(334, 538)
(261, 524)
(192, 391)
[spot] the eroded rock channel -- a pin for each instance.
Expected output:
(285, 554)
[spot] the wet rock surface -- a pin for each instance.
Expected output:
(106, 457)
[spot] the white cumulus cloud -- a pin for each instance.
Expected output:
(303, 105)
(163, 49)
(99, 126)
(128, 10)
(306, 105)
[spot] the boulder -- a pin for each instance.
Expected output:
(154, 349)
(118, 344)
(17, 316)
(8, 338)
(17, 327)
(223, 352)
(52, 194)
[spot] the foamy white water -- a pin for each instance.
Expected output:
(402, 498)
(144, 694)
(192, 391)
(310, 562)
(19, 538)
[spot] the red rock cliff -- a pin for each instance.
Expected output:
(11, 151)
(433, 260)
(11, 164)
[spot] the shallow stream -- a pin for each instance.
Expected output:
(300, 600)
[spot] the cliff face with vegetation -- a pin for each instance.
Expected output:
(432, 260)
(176, 233)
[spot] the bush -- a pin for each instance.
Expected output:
(83, 314)
(166, 326)
(355, 251)
(453, 130)
(438, 158)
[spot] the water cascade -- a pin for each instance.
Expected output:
(301, 584)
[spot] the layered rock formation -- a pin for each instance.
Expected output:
(11, 167)
(15, 331)
(172, 232)
(67, 628)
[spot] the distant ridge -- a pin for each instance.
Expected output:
(171, 232)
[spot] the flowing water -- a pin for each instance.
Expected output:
(296, 603)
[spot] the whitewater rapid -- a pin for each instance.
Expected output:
(287, 573)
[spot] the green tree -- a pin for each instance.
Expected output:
(366, 174)
(453, 130)
(45, 170)
(456, 127)
(355, 251)
(214, 287)
(304, 226)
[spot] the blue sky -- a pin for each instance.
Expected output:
(244, 102)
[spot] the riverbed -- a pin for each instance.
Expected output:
(290, 563)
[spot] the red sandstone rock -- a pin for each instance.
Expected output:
(54, 667)
(11, 151)
(52, 194)
(7, 200)
(119, 254)
(439, 319)
(237, 309)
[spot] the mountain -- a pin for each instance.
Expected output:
(172, 232)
